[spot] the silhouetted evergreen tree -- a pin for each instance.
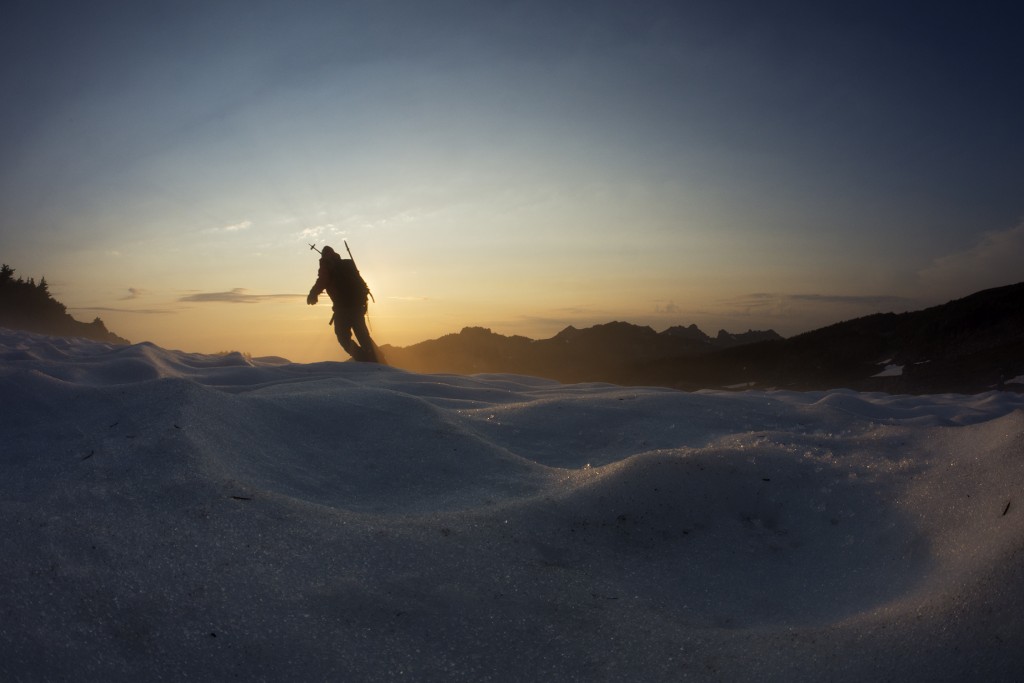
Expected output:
(26, 305)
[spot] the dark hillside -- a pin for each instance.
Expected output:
(26, 305)
(967, 346)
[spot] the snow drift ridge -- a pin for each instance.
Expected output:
(215, 515)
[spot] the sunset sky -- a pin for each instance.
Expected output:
(521, 166)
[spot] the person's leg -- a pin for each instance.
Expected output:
(343, 331)
(366, 345)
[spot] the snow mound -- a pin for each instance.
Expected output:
(217, 516)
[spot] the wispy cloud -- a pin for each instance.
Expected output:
(114, 309)
(992, 262)
(780, 302)
(757, 303)
(237, 296)
(234, 227)
(877, 301)
(667, 308)
(316, 232)
(559, 318)
(133, 293)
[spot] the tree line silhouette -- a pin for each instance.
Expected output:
(28, 305)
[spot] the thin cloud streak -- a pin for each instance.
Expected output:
(238, 295)
(234, 227)
(764, 300)
(113, 309)
(880, 301)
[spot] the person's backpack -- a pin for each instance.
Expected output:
(349, 283)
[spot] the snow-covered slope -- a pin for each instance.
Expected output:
(170, 515)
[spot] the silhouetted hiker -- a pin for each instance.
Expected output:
(348, 292)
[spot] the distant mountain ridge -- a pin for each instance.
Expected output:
(723, 340)
(967, 345)
(606, 352)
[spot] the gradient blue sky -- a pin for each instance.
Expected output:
(521, 166)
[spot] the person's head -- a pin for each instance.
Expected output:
(327, 251)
